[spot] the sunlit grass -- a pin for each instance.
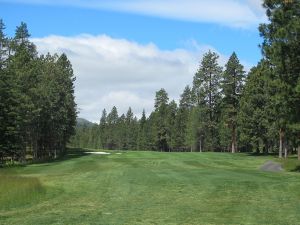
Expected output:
(149, 188)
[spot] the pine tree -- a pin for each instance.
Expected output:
(130, 126)
(171, 122)
(194, 135)
(38, 110)
(206, 88)
(161, 113)
(255, 117)
(9, 104)
(112, 123)
(151, 132)
(281, 48)
(67, 103)
(103, 129)
(23, 71)
(121, 133)
(142, 135)
(182, 116)
(232, 85)
(187, 99)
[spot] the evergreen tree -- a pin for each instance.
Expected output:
(103, 129)
(151, 131)
(67, 105)
(233, 81)
(130, 123)
(22, 69)
(171, 122)
(206, 88)
(281, 48)
(38, 110)
(194, 134)
(112, 123)
(187, 99)
(182, 116)
(161, 113)
(255, 117)
(142, 135)
(121, 133)
(10, 100)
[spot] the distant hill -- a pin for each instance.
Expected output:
(84, 123)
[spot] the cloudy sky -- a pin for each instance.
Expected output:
(122, 51)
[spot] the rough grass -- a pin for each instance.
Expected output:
(16, 190)
(291, 164)
(150, 188)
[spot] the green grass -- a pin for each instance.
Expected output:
(290, 164)
(150, 188)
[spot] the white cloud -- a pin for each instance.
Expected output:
(234, 13)
(122, 73)
(256, 6)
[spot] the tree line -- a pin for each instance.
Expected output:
(225, 109)
(37, 107)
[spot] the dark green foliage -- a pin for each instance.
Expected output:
(206, 88)
(281, 47)
(142, 134)
(131, 131)
(194, 129)
(181, 119)
(256, 119)
(112, 128)
(160, 117)
(38, 111)
(232, 85)
(172, 111)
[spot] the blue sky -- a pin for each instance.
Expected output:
(180, 30)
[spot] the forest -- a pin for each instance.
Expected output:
(224, 109)
(37, 107)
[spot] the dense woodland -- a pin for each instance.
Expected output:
(37, 107)
(224, 109)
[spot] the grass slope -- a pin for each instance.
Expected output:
(150, 188)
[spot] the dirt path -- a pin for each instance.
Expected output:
(271, 166)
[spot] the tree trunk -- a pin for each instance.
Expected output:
(200, 145)
(281, 135)
(233, 140)
(285, 149)
(35, 149)
(298, 152)
(257, 147)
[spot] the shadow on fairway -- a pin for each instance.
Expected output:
(297, 169)
(72, 153)
(261, 154)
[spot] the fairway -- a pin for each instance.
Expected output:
(150, 188)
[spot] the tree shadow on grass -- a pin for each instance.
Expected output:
(296, 169)
(261, 154)
(72, 153)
